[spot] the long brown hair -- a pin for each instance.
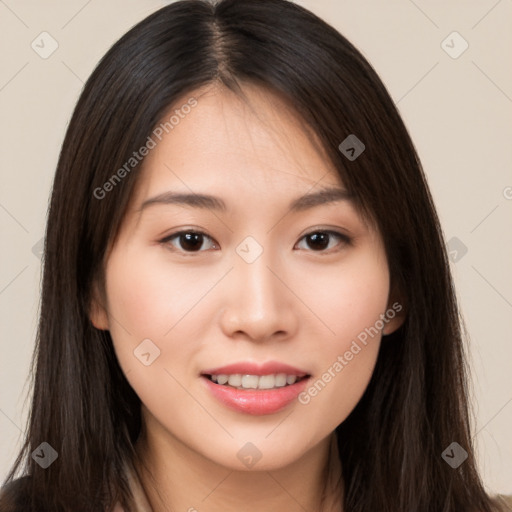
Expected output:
(416, 404)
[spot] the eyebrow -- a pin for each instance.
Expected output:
(206, 201)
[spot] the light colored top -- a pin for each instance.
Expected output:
(139, 495)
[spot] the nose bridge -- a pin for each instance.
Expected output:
(258, 305)
(253, 272)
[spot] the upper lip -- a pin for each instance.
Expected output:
(250, 368)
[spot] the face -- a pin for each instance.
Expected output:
(292, 291)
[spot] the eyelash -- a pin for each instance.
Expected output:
(344, 238)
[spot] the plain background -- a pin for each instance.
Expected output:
(458, 112)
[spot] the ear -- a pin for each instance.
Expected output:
(97, 311)
(395, 312)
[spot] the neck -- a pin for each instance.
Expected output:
(175, 477)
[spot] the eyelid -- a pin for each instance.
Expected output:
(337, 232)
(345, 240)
(175, 234)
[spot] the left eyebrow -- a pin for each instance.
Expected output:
(206, 201)
(319, 198)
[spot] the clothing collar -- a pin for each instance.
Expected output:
(140, 499)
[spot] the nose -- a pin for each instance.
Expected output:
(259, 304)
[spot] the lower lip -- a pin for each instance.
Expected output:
(254, 401)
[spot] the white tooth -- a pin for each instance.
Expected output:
(255, 381)
(250, 381)
(235, 380)
(280, 380)
(266, 382)
(290, 379)
(222, 379)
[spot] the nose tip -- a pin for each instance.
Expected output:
(257, 303)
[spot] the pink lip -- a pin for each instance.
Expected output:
(248, 368)
(254, 401)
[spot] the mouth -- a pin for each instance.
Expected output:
(255, 389)
(255, 400)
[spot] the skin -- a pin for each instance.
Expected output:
(298, 303)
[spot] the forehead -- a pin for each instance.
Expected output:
(257, 144)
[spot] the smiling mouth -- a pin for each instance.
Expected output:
(256, 382)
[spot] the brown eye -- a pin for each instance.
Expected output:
(320, 241)
(188, 241)
(193, 241)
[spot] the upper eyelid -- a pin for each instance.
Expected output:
(335, 231)
(331, 231)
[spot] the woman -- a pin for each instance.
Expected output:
(246, 298)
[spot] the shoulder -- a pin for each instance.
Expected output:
(14, 496)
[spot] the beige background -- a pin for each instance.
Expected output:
(458, 111)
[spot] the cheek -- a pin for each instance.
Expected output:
(149, 325)
(348, 299)
(147, 300)
(351, 307)
(147, 295)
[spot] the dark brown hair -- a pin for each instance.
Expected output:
(416, 404)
